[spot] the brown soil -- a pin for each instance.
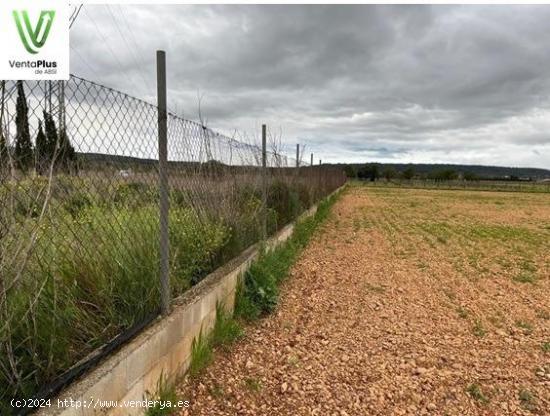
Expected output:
(406, 302)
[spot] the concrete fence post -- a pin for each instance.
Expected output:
(163, 183)
(311, 163)
(264, 183)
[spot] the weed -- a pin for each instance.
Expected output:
(526, 326)
(474, 390)
(527, 399)
(258, 294)
(201, 355)
(226, 330)
(479, 330)
(165, 399)
(545, 347)
(253, 384)
(525, 276)
(462, 312)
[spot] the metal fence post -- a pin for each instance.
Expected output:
(163, 183)
(264, 183)
(297, 155)
(311, 163)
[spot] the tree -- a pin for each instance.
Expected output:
(368, 171)
(470, 176)
(350, 171)
(50, 148)
(41, 151)
(57, 148)
(67, 154)
(4, 157)
(443, 175)
(409, 173)
(23, 152)
(389, 173)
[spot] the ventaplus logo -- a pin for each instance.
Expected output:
(35, 40)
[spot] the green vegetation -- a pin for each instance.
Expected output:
(474, 390)
(462, 312)
(527, 399)
(166, 399)
(226, 329)
(201, 355)
(478, 329)
(525, 276)
(545, 347)
(258, 293)
(91, 267)
(253, 384)
(526, 326)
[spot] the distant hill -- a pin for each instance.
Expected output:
(483, 172)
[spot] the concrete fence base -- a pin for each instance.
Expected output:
(163, 349)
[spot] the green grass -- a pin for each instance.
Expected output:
(545, 347)
(253, 384)
(526, 326)
(258, 293)
(527, 399)
(226, 329)
(166, 399)
(462, 312)
(478, 329)
(475, 392)
(201, 355)
(525, 276)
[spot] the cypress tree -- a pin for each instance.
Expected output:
(23, 146)
(4, 157)
(67, 154)
(41, 151)
(51, 135)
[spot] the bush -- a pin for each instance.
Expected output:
(84, 289)
(134, 193)
(284, 201)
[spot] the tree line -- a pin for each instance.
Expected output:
(373, 172)
(52, 149)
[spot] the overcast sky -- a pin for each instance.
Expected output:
(436, 84)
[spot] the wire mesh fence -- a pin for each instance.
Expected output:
(79, 219)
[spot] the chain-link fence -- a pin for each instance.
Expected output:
(79, 219)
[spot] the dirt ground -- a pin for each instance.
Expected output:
(406, 302)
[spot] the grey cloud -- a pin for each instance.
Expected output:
(407, 83)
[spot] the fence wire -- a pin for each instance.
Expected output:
(79, 218)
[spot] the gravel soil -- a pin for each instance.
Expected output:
(406, 302)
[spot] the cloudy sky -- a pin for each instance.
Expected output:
(437, 84)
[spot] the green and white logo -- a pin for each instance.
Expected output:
(33, 38)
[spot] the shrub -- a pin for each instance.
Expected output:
(134, 193)
(284, 201)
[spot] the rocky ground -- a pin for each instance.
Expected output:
(406, 302)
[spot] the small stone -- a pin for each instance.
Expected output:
(284, 387)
